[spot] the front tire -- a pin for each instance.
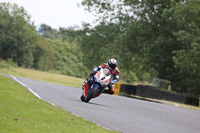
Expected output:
(82, 98)
(91, 94)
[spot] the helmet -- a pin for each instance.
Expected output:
(112, 64)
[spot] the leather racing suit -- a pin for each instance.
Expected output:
(115, 77)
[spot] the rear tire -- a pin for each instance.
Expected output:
(91, 94)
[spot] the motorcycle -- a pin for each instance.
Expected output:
(99, 82)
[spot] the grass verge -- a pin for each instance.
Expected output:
(43, 76)
(22, 112)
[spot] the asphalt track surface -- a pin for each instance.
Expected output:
(119, 113)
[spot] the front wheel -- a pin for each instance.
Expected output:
(82, 98)
(91, 94)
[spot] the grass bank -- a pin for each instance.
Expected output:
(43, 76)
(22, 112)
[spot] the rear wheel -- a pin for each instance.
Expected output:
(91, 94)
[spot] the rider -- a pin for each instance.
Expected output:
(112, 66)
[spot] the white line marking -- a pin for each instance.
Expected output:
(34, 93)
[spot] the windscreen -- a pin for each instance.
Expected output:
(106, 72)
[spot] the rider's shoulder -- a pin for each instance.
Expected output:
(104, 65)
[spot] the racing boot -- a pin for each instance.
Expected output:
(110, 90)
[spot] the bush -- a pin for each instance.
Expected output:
(8, 63)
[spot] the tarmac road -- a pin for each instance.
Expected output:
(119, 113)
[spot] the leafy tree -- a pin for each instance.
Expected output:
(16, 34)
(157, 35)
(70, 34)
(19, 39)
(186, 16)
(48, 32)
(97, 45)
(43, 54)
(68, 58)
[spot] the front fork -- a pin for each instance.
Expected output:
(89, 80)
(88, 84)
(100, 90)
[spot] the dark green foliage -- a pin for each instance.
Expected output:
(158, 37)
(43, 55)
(70, 34)
(20, 41)
(148, 38)
(16, 35)
(68, 58)
(186, 59)
(49, 50)
(97, 44)
(47, 32)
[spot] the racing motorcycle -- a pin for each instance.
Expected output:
(99, 82)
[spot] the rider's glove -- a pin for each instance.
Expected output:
(112, 82)
(92, 73)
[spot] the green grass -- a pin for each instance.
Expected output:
(22, 112)
(52, 77)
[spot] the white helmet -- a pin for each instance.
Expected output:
(112, 63)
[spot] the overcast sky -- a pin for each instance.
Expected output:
(55, 13)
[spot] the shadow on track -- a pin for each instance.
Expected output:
(98, 104)
(90, 103)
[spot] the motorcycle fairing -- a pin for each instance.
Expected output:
(86, 89)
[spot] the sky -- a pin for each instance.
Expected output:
(55, 13)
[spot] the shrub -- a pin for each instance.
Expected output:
(8, 63)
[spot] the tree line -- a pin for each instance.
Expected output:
(148, 39)
(151, 36)
(44, 49)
